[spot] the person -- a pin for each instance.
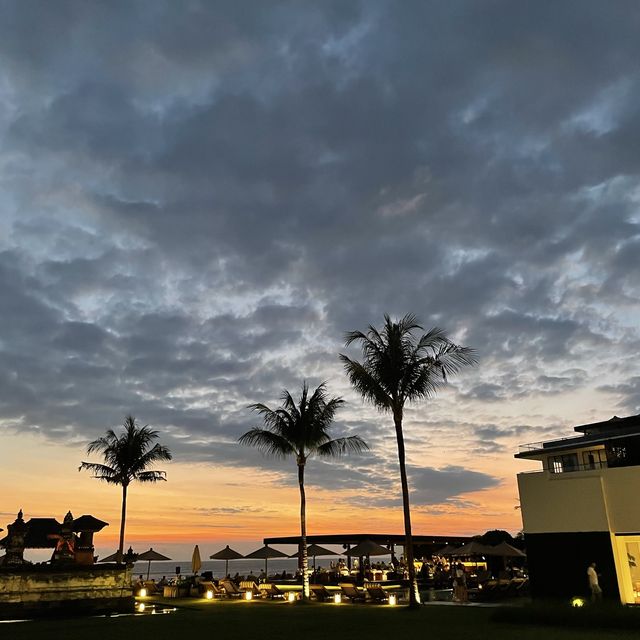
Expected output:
(460, 593)
(594, 584)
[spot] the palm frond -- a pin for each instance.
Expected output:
(101, 472)
(268, 442)
(151, 476)
(341, 446)
(366, 383)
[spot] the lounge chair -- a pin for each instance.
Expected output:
(230, 588)
(352, 592)
(321, 593)
(251, 587)
(151, 587)
(208, 585)
(377, 593)
(269, 590)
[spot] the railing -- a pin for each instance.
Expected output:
(534, 446)
(597, 464)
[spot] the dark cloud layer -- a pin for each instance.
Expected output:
(199, 199)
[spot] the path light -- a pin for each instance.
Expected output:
(143, 592)
(141, 607)
(248, 595)
(393, 599)
(577, 602)
(291, 596)
(337, 598)
(209, 595)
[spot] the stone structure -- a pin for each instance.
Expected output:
(40, 590)
(71, 583)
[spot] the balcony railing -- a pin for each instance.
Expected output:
(597, 464)
(589, 466)
(534, 446)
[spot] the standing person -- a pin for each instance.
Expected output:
(460, 593)
(594, 585)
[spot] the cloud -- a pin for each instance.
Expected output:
(197, 202)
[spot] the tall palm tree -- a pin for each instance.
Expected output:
(400, 367)
(126, 458)
(302, 430)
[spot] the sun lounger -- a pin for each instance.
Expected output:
(251, 586)
(352, 592)
(269, 590)
(377, 593)
(321, 593)
(151, 587)
(207, 585)
(230, 588)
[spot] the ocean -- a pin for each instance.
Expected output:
(242, 566)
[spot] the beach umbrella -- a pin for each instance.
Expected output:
(112, 558)
(505, 550)
(150, 556)
(266, 552)
(368, 548)
(446, 551)
(314, 550)
(472, 548)
(226, 554)
(196, 562)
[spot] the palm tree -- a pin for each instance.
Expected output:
(302, 430)
(399, 367)
(126, 458)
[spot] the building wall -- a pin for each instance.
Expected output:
(558, 564)
(562, 502)
(599, 500)
(621, 486)
(41, 590)
(581, 516)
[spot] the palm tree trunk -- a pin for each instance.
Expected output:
(123, 516)
(303, 535)
(408, 542)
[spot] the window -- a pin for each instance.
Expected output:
(562, 464)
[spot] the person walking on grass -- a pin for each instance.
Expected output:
(594, 584)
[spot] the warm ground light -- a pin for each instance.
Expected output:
(311, 622)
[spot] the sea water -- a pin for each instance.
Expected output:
(242, 566)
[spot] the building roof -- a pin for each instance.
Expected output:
(593, 434)
(381, 538)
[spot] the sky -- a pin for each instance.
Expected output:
(198, 200)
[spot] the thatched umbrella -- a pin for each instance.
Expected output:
(265, 553)
(368, 548)
(314, 550)
(226, 554)
(473, 548)
(150, 556)
(505, 550)
(447, 551)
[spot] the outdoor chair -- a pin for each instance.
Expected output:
(151, 587)
(269, 590)
(321, 593)
(377, 593)
(352, 593)
(208, 585)
(251, 586)
(230, 588)
(522, 587)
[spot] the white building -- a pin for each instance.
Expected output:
(582, 506)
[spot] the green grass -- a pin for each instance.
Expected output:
(284, 621)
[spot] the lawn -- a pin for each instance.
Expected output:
(284, 621)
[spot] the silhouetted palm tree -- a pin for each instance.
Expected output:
(302, 430)
(126, 458)
(399, 367)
